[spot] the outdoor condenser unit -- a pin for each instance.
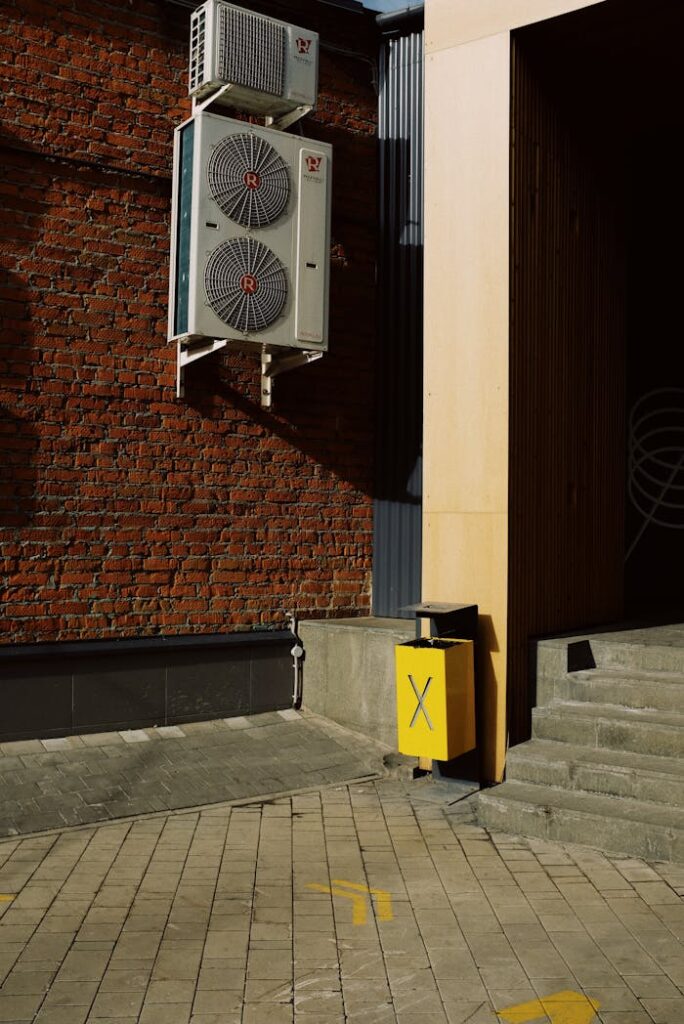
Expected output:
(263, 66)
(251, 235)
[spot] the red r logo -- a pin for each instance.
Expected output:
(303, 45)
(313, 164)
(252, 180)
(249, 284)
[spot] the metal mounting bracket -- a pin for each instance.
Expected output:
(281, 123)
(272, 366)
(199, 105)
(189, 351)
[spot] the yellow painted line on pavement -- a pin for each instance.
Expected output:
(382, 897)
(561, 1008)
(340, 887)
(7, 897)
(359, 910)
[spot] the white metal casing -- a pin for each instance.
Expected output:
(269, 67)
(299, 237)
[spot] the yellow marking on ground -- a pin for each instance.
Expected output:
(359, 910)
(382, 897)
(561, 1008)
(7, 897)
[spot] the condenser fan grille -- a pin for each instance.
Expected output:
(249, 180)
(246, 284)
(251, 50)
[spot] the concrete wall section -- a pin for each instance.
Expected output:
(349, 672)
(466, 352)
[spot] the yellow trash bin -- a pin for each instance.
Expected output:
(435, 697)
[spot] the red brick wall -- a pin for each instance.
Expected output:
(124, 511)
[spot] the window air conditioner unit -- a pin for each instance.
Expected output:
(265, 66)
(250, 235)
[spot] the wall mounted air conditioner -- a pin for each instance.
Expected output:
(267, 67)
(250, 235)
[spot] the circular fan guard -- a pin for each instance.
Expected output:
(246, 284)
(248, 180)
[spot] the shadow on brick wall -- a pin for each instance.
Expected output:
(18, 437)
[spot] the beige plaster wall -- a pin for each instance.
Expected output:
(465, 500)
(451, 22)
(465, 503)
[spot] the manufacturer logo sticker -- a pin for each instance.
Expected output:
(249, 284)
(313, 164)
(304, 45)
(252, 180)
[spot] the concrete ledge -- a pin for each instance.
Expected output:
(348, 672)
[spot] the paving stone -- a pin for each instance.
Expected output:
(270, 965)
(117, 1004)
(101, 739)
(217, 1018)
(258, 1013)
(217, 1001)
(62, 1015)
(19, 1007)
(71, 993)
(27, 982)
(665, 1011)
(269, 991)
(134, 736)
(83, 966)
(158, 1013)
(170, 992)
(125, 981)
(169, 732)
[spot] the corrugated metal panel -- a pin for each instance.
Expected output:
(567, 463)
(398, 495)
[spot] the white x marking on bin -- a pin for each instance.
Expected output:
(420, 697)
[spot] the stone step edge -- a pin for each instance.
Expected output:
(609, 712)
(556, 751)
(611, 653)
(552, 798)
(620, 674)
(636, 694)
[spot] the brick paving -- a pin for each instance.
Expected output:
(77, 780)
(260, 914)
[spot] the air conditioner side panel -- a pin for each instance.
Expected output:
(182, 227)
(312, 252)
(301, 68)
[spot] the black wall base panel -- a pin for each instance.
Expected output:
(64, 689)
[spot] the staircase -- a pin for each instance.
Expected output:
(604, 766)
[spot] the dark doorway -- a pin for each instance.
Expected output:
(654, 558)
(596, 220)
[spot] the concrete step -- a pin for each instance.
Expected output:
(660, 733)
(662, 691)
(612, 824)
(660, 649)
(619, 773)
